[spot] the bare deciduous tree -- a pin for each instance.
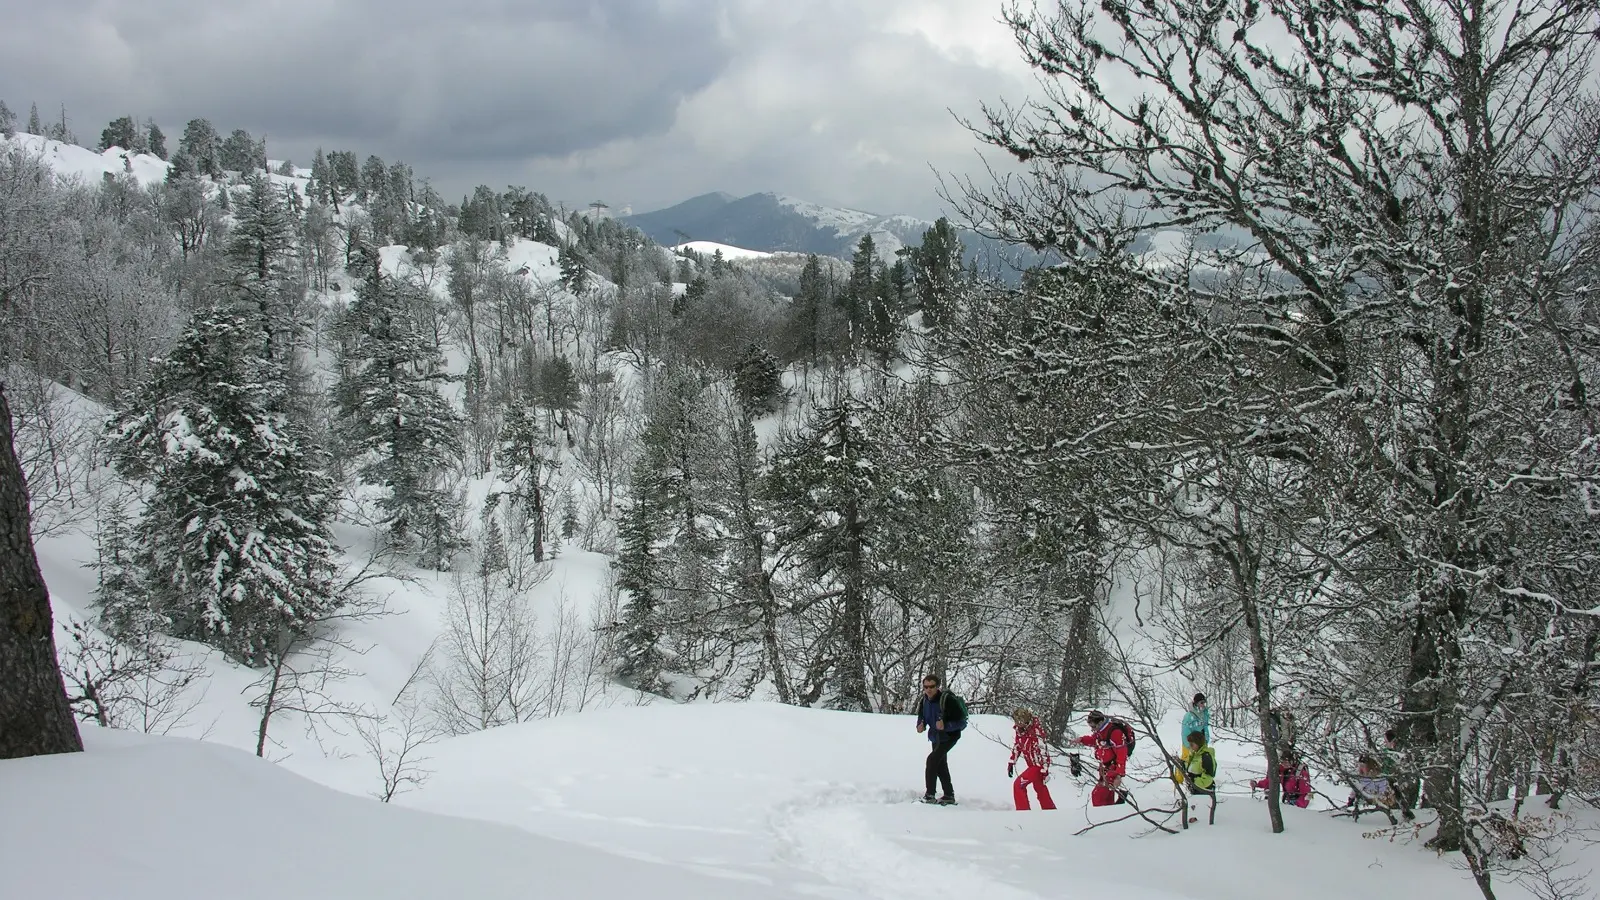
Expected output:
(144, 684)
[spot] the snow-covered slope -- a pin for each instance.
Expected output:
(72, 161)
(141, 818)
(728, 251)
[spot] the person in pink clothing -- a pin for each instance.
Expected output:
(1029, 746)
(1110, 739)
(1294, 780)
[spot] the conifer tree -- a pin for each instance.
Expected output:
(201, 143)
(35, 127)
(120, 133)
(323, 189)
(639, 633)
(240, 152)
(832, 494)
(558, 389)
(393, 418)
(807, 311)
(860, 293)
(666, 547)
(155, 140)
(181, 166)
(233, 536)
(121, 593)
(61, 131)
(261, 256)
(574, 276)
(374, 178)
(8, 120)
(758, 381)
(525, 455)
(935, 272)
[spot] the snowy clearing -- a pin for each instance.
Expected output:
(728, 251)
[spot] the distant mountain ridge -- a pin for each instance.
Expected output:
(776, 223)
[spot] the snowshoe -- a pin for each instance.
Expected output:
(947, 800)
(929, 798)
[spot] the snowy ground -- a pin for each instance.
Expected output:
(700, 801)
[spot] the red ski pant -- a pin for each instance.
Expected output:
(1019, 789)
(1107, 792)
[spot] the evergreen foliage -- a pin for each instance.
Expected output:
(393, 419)
(233, 542)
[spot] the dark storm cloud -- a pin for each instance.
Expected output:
(637, 102)
(432, 82)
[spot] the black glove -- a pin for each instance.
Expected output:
(1011, 770)
(1075, 765)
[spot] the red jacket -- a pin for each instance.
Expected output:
(1029, 746)
(1110, 749)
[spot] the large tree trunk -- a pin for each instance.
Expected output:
(35, 717)
(1243, 566)
(1073, 664)
(1431, 721)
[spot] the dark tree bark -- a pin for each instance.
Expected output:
(35, 717)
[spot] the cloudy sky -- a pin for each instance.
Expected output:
(633, 102)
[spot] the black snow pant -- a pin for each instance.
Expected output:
(938, 769)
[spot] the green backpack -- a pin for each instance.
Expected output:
(956, 700)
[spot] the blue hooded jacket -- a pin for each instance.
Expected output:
(934, 710)
(1196, 721)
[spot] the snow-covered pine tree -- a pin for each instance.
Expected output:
(392, 417)
(831, 495)
(201, 144)
(526, 455)
(322, 187)
(752, 616)
(639, 633)
(574, 274)
(234, 545)
(239, 152)
(665, 557)
(758, 380)
(935, 271)
(261, 257)
(860, 294)
(558, 390)
(809, 337)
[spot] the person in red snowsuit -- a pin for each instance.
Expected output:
(1111, 749)
(1030, 748)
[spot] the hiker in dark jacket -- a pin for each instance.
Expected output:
(941, 717)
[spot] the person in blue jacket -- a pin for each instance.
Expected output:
(1198, 718)
(942, 716)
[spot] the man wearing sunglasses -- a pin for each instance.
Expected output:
(942, 715)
